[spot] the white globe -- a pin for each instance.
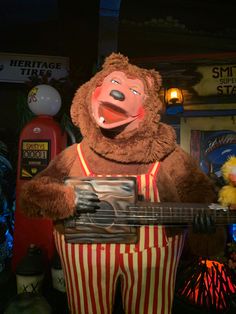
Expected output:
(44, 100)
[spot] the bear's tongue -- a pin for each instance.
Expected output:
(110, 114)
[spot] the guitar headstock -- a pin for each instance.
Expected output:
(217, 206)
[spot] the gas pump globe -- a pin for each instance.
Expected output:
(44, 100)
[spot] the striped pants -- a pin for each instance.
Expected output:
(147, 277)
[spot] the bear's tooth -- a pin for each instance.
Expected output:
(101, 119)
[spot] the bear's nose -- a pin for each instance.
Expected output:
(117, 95)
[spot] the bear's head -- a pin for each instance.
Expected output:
(119, 107)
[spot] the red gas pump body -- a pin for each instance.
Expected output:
(40, 141)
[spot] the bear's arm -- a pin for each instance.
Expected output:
(46, 195)
(191, 184)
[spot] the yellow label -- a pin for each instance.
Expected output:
(35, 146)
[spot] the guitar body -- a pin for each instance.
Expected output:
(115, 194)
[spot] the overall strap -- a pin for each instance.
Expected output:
(147, 184)
(82, 161)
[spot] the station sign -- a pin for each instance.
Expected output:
(218, 80)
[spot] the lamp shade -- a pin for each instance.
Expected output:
(174, 96)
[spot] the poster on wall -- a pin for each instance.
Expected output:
(212, 148)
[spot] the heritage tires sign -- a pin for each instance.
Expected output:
(18, 68)
(219, 80)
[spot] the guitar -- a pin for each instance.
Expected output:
(121, 212)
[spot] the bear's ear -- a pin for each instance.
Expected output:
(154, 79)
(115, 59)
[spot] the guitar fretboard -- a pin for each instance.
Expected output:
(146, 213)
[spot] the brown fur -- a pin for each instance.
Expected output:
(179, 178)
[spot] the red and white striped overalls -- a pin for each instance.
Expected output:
(147, 269)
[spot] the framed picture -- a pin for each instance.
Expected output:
(210, 140)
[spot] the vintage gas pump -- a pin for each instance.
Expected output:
(40, 141)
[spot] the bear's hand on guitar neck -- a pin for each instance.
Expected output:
(203, 223)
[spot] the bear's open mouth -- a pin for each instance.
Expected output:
(109, 113)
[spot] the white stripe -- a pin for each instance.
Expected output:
(127, 282)
(160, 270)
(103, 278)
(151, 190)
(160, 236)
(136, 276)
(152, 279)
(112, 273)
(143, 285)
(94, 278)
(167, 285)
(79, 276)
(86, 273)
(73, 287)
(154, 168)
(67, 270)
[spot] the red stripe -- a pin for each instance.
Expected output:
(84, 283)
(58, 240)
(69, 278)
(155, 190)
(150, 169)
(108, 265)
(75, 278)
(116, 260)
(139, 286)
(164, 236)
(139, 187)
(99, 276)
(131, 270)
(127, 248)
(146, 237)
(157, 169)
(90, 277)
(157, 278)
(124, 293)
(147, 196)
(148, 279)
(163, 309)
(139, 184)
(172, 261)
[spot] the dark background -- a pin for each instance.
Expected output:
(146, 28)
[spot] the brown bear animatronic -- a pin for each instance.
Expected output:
(118, 113)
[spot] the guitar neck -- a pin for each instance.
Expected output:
(147, 213)
(178, 213)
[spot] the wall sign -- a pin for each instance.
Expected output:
(219, 80)
(35, 156)
(17, 68)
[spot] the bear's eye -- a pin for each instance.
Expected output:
(134, 91)
(114, 81)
